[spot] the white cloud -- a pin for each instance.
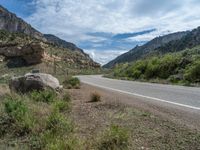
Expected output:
(73, 19)
(103, 57)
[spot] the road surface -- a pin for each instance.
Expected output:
(186, 97)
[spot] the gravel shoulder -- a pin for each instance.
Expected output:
(151, 126)
(177, 114)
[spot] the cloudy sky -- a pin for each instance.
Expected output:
(107, 28)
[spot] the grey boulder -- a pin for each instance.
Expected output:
(34, 81)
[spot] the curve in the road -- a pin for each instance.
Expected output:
(176, 95)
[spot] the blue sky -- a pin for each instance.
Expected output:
(107, 28)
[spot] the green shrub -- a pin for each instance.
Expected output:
(71, 82)
(95, 97)
(168, 65)
(18, 111)
(137, 69)
(46, 96)
(152, 69)
(115, 138)
(15, 108)
(50, 141)
(61, 106)
(58, 124)
(192, 73)
(60, 143)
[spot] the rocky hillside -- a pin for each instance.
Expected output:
(11, 23)
(18, 49)
(141, 51)
(61, 43)
(21, 44)
(191, 40)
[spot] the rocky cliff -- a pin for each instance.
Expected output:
(23, 45)
(11, 23)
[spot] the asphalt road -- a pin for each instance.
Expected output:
(186, 97)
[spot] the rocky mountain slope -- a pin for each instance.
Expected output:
(61, 43)
(21, 44)
(11, 23)
(190, 40)
(154, 45)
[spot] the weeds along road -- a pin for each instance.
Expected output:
(166, 95)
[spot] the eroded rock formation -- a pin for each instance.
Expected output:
(31, 53)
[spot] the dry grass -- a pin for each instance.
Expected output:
(95, 97)
(146, 130)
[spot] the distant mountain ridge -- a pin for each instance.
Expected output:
(190, 40)
(10, 22)
(141, 51)
(62, 43)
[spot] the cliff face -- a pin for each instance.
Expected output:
(11, 23)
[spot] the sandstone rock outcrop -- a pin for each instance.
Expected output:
(31, 53)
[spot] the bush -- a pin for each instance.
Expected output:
(152, 69)
(137, 69)
(46, 96)
(95, 97)
(15, 108)
(71, 82)
(168, 65)
(19, 113)
(60, 143)
(192, 73)
(115, 138)
(61, 106)
(58, 124)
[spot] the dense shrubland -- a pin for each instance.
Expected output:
(181, 67)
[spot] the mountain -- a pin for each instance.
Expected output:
(61, 43)
(190, 40)
(141, 51)
(10, 22)
(24, 45)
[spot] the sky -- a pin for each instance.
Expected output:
(107, 28)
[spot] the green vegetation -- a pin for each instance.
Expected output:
(39, 118)
(47, 96)
(114, 138)
(18, 113)
(71, 82)
(179, 68)
(61, 106)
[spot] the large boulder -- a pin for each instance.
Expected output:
(34, 81)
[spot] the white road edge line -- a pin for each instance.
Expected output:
(139, 95)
